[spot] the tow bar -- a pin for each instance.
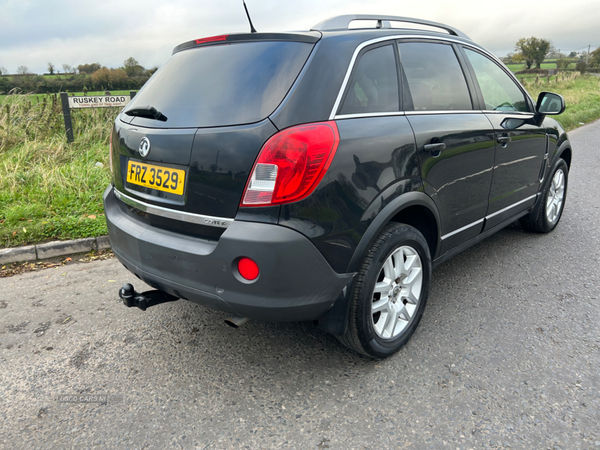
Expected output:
(145, 299)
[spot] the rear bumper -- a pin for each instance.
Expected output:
(295, 282)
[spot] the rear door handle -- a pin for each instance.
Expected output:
(503, 140)
(437, 147)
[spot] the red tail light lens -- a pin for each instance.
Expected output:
(222, 37)
(291, 164)
(110, 151)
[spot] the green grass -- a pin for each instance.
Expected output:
(49, 188)
(581, 93)
(545, 65)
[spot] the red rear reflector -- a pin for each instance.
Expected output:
(248, 269)
(291, 164)
(223, 37)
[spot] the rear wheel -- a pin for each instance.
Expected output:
(552, 202)
(389, 292)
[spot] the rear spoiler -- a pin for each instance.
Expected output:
(309, 37)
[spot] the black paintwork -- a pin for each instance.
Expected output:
(457, 178)
(217, 160)
(301, 287)
(375, 162)
(384, 169)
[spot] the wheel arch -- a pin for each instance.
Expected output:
(566, 154)
(413, 208)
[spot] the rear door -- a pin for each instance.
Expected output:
(520, 151)
(455, 142)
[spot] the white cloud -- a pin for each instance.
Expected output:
(77, 32)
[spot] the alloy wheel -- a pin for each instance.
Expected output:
(397, 292)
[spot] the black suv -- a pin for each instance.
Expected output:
(321, 175)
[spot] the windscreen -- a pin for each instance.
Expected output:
(220, 85)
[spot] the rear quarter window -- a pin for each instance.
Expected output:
(374, 84)
(222, 85)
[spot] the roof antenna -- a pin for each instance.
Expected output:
(252, 29)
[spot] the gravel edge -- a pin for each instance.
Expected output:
(53, 249)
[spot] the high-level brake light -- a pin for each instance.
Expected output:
(206, 40)
(291, 164)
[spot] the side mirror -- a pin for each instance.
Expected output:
(550, 104)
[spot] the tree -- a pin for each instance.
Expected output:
(595, 57)
(51, 68)
(23, 70)
(563, 62)
(581, 67)
(533, 50)
(68, 69)
(89, 68)
(573, 55)
(3, 71)
(118, 78)
(101, 77)
(109, 78)
(132, 68)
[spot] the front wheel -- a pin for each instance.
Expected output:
(552, 201)
(389, 292)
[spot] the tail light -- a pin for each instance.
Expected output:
(291, 164)
(110, 151)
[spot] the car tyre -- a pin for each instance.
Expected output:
(389, 292)
(546, 217)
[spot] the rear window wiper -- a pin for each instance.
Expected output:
(149, 112)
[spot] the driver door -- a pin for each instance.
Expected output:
(520, 152)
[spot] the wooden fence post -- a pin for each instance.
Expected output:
(64, 98)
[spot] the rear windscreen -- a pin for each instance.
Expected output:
(222, 85)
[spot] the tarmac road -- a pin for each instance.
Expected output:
(507, 356)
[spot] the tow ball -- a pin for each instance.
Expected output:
(144, 300)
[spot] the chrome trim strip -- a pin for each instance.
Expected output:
(442, 111)
(358, 49)
(509, 114)
(363, 115)
(182, 216)
(509, 207)
(466, 227)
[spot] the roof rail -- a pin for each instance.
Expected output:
(343, 22)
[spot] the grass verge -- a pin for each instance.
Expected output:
(581, 93)
(50, 189)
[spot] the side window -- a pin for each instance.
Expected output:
(374, 83)
(500, 92)
(434, 76)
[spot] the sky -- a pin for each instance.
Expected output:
(36, 32)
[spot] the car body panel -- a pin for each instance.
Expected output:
(309, 251)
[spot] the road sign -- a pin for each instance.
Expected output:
(99, 101)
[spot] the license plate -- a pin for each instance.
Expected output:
(156, 177)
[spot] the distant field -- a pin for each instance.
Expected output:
(39, 97)
(545, 65)
(581, 93)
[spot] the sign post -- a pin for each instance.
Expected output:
(91, 101)
(64, 98)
